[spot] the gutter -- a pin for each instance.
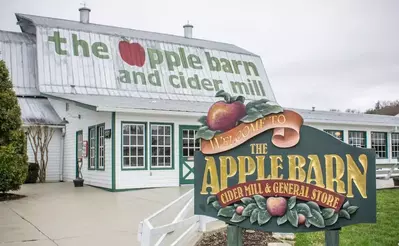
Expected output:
(61, 166)
(149, 111)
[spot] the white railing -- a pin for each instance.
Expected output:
(158, 229)
(387, 171)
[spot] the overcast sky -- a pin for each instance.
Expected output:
(328, 54)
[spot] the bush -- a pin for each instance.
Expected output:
(33, 173)
(12, 173)
(13, 155)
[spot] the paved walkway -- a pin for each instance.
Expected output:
(59, 214)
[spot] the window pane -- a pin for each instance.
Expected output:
(125, 140)
(161, 130)
(185, 152)
(191, 134)
(154, 130)
(141, 161)
(140, 140)
(125, 129)
(167, 151)
(126, 161)
(125, 151)
(133, 140)
(154, 151)
(154, 161)
(140, 129)
(191, 152)
(133, 129)
(167, 130)
(161, 151)
(154, 140)
(140, 151)
(161, 140)
(167, 161)
(167, 140)
(160, 161)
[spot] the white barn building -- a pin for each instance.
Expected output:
(135, 97)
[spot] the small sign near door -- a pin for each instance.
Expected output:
(84, 149)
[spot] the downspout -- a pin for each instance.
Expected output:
(62, 154)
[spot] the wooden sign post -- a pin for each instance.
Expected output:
(261, 168)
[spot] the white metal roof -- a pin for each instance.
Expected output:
(119, 31)
(38, 111)
(128, 104)
(18, 50)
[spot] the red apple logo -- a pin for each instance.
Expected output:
(276, 206)
(132, 53)
(224, 115)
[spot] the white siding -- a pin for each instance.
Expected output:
(100, 178)
(126, 179)
(54, 156)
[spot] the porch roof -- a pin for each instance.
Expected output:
(38, 111)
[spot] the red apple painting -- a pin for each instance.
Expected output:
(132, 53)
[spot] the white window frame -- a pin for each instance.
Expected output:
(92, 148)
(379, 142)
(395, 145)
(358, 136)
(133, 157)
(101, 147)
(157, 146)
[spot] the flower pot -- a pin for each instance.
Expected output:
(78, 182)
(396, 181)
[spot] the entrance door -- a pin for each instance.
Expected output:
(79, 148)
(188, 146)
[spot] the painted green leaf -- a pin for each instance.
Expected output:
(291, 202)
(344, 214)
(248, 210)
(271, 109)
(210, 199)
(352, 209)
(216, 205)
(263, 217)
(316, 219)
(346, 204)
(254, 216)
(237, 218)
(236, 205)
(205, 133)
(227, 212)
(292, 216)
(281, 220)
(332, 220)
(313, 205)
(238, 99)
(254, 111)
(260, 201)
(256, 102)
(303, 208)
(247, 200)
(250, 118)
(327, 213)
(307, 223)
(202, 120)
(225, 95)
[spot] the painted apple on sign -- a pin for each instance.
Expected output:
(132, 53)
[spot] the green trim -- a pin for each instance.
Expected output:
(113, 149)
(76, 152)
(365, 137)
(392, 134)
(182, 179)
(171, 150)
(145, 146)
(89, 149)
(386, 144)
(341, 131)
(98, 146)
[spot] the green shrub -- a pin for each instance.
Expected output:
(13, 153)
(12, 173)
(33, 173)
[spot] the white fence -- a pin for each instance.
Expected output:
(158, 229)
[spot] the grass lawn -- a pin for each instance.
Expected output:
(385, 232)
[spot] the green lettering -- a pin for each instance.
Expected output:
(124, 76)
(98, 47)
(152, 76)
(79, 42)
(137, 75)
(183, 57)
(207, 84)
(226, 66)
(235, 65)
(155, 57)
(241, 86)
(216, 83)
(171, 81)
(193, 82)
(57, 43)
(213, 62)
(252, 65)
(194, 62)
(172, 59)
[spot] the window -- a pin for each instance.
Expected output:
(92, 147)
(133, 145)
(357, 139)
(379, 143)
(395, 145)
(336, 133)
(101, 147)
(161, 146)
(190, 144)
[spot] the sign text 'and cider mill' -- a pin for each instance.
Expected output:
(145, 66)
(260, 167)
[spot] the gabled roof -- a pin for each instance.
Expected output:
(27, 20)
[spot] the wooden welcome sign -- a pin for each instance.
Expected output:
(261, 168)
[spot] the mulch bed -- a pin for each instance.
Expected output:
(9, 197)
(250, 238)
